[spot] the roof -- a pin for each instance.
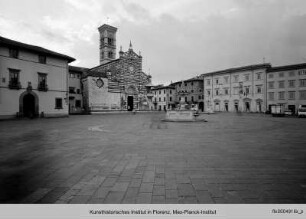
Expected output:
(287, 67)
(163, 87)
(243, 68)
(115, 60)
(32, 48)
(94, 73)
(77, 69)
(106, 26)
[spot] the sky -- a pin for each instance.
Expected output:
(178, 39)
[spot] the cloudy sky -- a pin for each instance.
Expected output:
(178, 39)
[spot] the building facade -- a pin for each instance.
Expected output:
(164, 97)
(286, 85)
(190, 91)
(116, 84)
(33, 81)
(76, 89)
(240, 89)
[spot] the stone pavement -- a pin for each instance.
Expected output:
(125, 158)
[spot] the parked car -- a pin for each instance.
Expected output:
(301, 111)
(288, 112)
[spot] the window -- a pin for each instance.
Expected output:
(258, 76)
(303, 95)
(247, 90)
(226, 79)
(226, 91)
(159, 92)
(246, 77)
(110, 55)
(291, 83)
(14, 53)
(110, 41)
(42, 82)
(170, 91)
(170, 98)
(164, 91)
(200, 97)
(164, 98)
(191, 91)
(281, 95)
(208, 92)
(58, 103)
(291, 95)
(192, 99)
(42, 59)
(78, 76)
(78, 91)
(72, 90)
(236, 78)
(71, 75)
(302, 72)
(191, 83)
(281, 74)
(217, 92)
(271, 75)
(302, 82)
(159, 99)
(291, 74)
(186, 100)
(259, 89)
(208, 81)
(281, 84)
(271, 95)
(271, 84)
(217, 81)
(14, 79)
(78, 103)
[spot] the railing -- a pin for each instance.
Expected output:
(14, 85)
(42, 87)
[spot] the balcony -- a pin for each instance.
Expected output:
(42, 87)
(14, 84)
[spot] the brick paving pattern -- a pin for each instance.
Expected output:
(248, 158)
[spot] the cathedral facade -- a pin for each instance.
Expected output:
(117, 83)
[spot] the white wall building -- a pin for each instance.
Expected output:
(33, 81)
(236, 89)
(164, 97)
(286, 85)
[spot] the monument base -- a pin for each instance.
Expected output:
(183, 116)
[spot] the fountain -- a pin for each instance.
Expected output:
(184, 113)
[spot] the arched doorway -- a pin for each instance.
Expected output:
(28, 104)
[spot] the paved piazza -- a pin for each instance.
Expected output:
(126, 158)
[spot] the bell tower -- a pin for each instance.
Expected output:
(107, 43)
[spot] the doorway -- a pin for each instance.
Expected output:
(201, 106)
(291, 108)
(29, 106)
(226, 107)
(247, 106)
(236, 107)
(130, 102)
